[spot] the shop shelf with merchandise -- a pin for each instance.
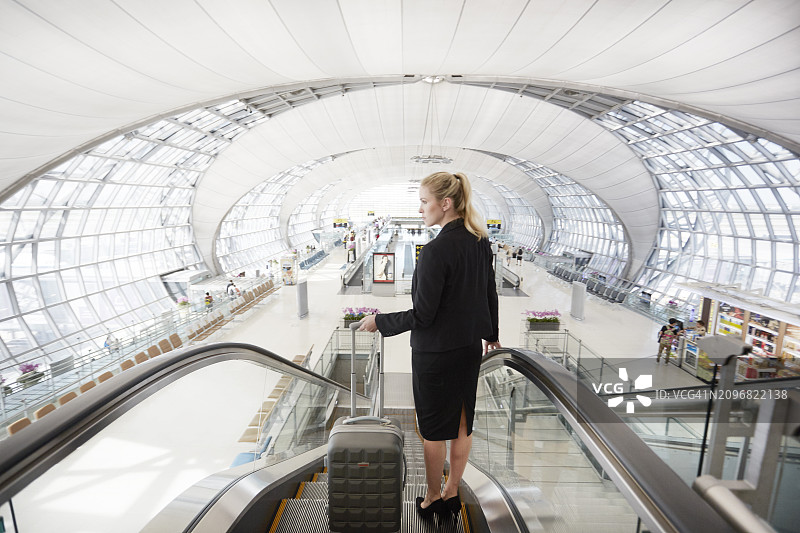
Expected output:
(771, 327)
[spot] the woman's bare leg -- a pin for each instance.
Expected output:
(459, 454)
(435, 452)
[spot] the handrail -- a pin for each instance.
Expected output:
(89, 365)
(27, 454)
(718, 493)
(642, 477)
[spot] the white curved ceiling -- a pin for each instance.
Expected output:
(466, 117)
(75, 71)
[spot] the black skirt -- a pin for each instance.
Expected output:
(444, 382)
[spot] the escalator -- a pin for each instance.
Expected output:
(548, 454)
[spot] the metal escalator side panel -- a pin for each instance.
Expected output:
(29, 454)
(250, 501)
(497, 511)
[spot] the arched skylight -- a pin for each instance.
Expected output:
(88, 241)
(730, 203)
(250, 233)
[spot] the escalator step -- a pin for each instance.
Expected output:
(412, 523)
(302, 516)
(318, 490)
(315, 490)
(311, 516)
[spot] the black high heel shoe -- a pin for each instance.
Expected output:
(452, 504)
(426, 513)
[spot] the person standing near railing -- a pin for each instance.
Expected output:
(666, 337)
(453, 321)
(209, 301)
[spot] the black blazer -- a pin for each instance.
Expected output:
(453, 293)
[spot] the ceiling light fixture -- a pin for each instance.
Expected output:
(432, 119)
(435, 159)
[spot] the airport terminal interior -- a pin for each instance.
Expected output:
(198, 198)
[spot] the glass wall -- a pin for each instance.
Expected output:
(730, 203)
(581, 221)
(249, 235)
(525, 222)
(304, 219)
(86, 243)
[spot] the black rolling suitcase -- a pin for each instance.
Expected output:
(366, 468)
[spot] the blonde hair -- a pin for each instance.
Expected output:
(456, 187)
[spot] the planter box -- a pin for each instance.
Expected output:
(543, 326)
(29, 379)
(347, 322)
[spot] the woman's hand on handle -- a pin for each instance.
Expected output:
(487, 346)
(368, 324)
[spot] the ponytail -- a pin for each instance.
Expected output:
(456, 187)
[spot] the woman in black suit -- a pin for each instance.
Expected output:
(452, 322)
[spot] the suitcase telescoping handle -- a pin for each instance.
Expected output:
(353, 328)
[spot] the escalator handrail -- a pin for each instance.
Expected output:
(512, 277)
(26, 455)
(656, 492)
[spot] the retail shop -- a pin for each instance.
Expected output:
(771, 327)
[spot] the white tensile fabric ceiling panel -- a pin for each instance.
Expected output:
(362, 170)
(75, 72)
(555, 137)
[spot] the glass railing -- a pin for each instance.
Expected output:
(154, 431)
(678, 424)
(339, 348)
(62, 372)
(522, 440)
(570, 352)
(543, 448)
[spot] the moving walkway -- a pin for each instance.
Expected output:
(548, 454)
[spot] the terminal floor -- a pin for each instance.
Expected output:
(139, 463)
(609, 330)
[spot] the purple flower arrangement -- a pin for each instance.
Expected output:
(358, 313)
(28, 367)
(543, 316)
(182, 300)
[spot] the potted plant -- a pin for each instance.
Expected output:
(543, 320)
(30, 375)
(182, 301)
(354, 315)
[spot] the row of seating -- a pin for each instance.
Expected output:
(607, 292)
(258, 422)
(567, 274)
(313, 260)
(200, 329)
(251, 298)
(163, 346)
(594, 286)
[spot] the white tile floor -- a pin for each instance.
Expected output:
(125, 475)
(608, 329)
